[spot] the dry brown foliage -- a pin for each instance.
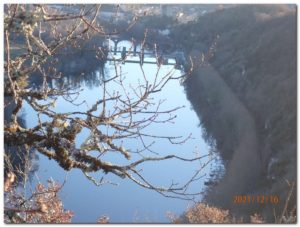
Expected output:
(256, 219)
(43, 206)
(202, 213)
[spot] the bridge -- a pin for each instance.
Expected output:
(133, 55)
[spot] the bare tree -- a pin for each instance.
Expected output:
(120, 114)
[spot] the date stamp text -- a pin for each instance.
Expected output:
(259, 199)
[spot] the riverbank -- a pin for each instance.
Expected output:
(224, 111)
(245, 96)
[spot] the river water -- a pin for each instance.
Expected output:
(129, 202)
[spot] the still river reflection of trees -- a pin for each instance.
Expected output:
(128, 202)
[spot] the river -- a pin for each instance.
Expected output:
(128, 202)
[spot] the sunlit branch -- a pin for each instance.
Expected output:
(121, 112)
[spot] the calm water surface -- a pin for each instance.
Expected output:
(129, 202)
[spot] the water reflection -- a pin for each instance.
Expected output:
(128, 202)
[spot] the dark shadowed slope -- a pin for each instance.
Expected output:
(244, 168)
(247, 101)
